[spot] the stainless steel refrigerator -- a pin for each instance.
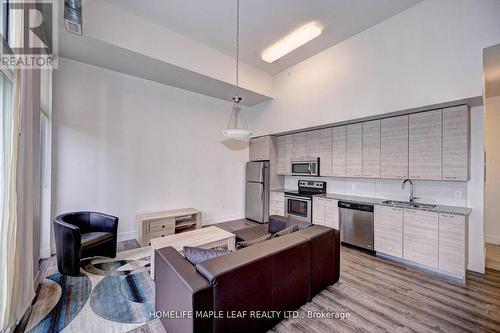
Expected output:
(257, 191)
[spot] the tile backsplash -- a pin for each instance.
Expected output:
(437, 192)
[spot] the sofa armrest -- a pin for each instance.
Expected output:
(179, 287)
(325, 256)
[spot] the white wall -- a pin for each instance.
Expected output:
(125, 146)
(428, 54)
(492, 186)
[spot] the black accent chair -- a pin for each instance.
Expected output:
(82, 235)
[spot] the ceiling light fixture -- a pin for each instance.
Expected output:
(291, 42)
(237, 127)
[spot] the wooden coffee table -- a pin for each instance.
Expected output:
(209, 237)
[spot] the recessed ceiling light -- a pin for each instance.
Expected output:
(291, 42)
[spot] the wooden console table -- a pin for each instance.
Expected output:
(161, 224)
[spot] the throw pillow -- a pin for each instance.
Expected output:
(287, 231)
(253, 241)
(195, 255)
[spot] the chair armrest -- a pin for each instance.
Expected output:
(103, 222)
(68, 242)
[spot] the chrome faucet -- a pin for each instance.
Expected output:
(412, 197)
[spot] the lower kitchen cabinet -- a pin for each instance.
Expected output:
(421, 237)
(452, 244)
(318, 211)
(326, 212)
(277, 204)
(388, 230)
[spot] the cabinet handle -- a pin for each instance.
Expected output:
(411, 211)
(450, 177)
(451, 216)
(396, 209)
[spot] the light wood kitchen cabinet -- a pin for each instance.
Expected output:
(259, 148)
(388, 230)
(339, 151)
(281, 155)
(421, 237)
(325, 151)
(371, 149)
(277, 203)
(425, 144)
(331, 213)
(312, 144)
(452, 244)
(394, 147)
(288, 153)
(456, 137)
(325, 212)
(318, 211)
(299, 146)
(354, 150)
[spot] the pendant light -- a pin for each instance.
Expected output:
(237, 127)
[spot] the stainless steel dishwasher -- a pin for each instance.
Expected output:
(356, 224)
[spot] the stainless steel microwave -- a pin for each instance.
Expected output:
(305, 167)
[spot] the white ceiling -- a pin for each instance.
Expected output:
(263, 22)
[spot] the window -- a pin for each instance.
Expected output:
(4, 14)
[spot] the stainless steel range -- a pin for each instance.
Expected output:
(298, 204)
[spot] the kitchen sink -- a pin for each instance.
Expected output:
(408, 204)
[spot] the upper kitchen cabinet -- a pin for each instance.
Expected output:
(281, 168)
(456, 129)
(371, 149)
(354, 150)
(325, 151)
(299, 146)
(339, 151)
(260, 148)
(394, 147)
(425, 144)
(312, 144)
(288, 153)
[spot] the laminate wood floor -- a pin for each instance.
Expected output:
(382, 296)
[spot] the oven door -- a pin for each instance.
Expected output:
(299, 208)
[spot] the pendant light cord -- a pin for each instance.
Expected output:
(237, 46)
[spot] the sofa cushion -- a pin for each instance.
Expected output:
(287, 230)
(278, 223)
(243, 244)
(94, 238)
(195, 255)
(251, 232)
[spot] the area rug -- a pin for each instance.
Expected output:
(109, 295)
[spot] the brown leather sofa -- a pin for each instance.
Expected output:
(228, 293)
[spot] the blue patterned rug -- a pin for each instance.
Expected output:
(109, 295)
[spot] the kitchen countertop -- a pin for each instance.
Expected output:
(455, 210)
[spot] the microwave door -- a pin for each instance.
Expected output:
(301, 168)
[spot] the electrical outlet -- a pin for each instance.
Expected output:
(353, 187)
(458, 194)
